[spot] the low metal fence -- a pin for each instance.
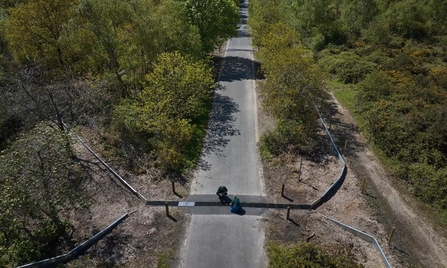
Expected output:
(77, 251)
(367, 237)
(334, 188)
(124, 182)
(339, 181)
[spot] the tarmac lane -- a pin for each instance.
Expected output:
(216, 237)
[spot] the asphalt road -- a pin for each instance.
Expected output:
(217, 238)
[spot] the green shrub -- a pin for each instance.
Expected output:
(429, 184)
(347, 66)
(377, 32)
(285, 137)
(305, 255)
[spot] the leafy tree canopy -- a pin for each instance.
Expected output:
(39, 177)
(216, 20)
(34, 30)
(176, 94)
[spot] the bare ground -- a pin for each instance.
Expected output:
(147, 237)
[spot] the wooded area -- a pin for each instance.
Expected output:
(391, 56)
(138, 70)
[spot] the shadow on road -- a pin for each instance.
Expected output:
(238, 68)
(221, 125)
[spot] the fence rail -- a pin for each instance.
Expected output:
(124, 182)
(333, 189)
(367, 237)
(77, 251)
(337, 184)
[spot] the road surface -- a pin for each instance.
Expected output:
(215, 237)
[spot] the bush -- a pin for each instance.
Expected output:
(288, 136)
(347, 66)
(377, 32)
(429, 184)
(304, 255)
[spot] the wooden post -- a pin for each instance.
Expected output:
(363, 185)
(282, 189)
(391, 235)
(288, 213)
(167, 209)
(344, 148)
(173, 186)
(299, 172)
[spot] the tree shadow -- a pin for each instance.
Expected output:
(220, 126)
(180, 179)
(242, 31)
(202, 164)
(341, 131)
(236, 68)
(243, 19)
(110, 247)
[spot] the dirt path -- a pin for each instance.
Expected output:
(416, 239)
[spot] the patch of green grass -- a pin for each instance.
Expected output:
(265, 152)
(163, 259)
(305, 255)
(345, 94)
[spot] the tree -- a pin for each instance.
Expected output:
(107, 20)
(215, 19)
(164, 116)
(129, 35)
(262, 16)
(294, 85)
(293, 80)
(34, 30)
(407, 18)
(158, 28)
(356, 15)
(39, 178)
